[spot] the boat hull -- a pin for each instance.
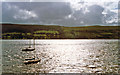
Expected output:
(28, 49)
(31, 62)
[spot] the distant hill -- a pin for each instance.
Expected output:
(21, 31)
(27, 28)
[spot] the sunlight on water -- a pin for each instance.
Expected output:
(62, 56)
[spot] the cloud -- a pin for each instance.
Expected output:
(24, 14)
(52, 11)
(62, 13)
(36, 12)
(111, 13)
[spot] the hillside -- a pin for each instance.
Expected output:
(21, 31)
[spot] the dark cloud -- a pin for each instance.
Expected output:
(95, 15)
(45, 11)
(53, 11)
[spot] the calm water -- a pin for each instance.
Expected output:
(62, 56)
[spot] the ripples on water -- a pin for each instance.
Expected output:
(62, 56)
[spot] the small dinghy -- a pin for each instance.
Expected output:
(31, 61)
(28, 49)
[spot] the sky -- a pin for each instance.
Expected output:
(63, 13)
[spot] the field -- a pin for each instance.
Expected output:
(21, 31)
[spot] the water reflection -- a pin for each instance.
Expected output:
(63, 56)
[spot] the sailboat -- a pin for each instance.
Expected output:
(29, 48)
(31, 61)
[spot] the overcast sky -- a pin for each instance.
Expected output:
(71, 13)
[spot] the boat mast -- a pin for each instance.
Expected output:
(34, 48)
(29, 22)
(34, 42)
(29, 43)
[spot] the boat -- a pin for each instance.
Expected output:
(31, 61)
(29, 48)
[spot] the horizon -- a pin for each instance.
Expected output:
(60, 25)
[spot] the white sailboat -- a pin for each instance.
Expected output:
(30, 48)
(31, 61)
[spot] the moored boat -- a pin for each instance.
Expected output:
(31, 61)
(28, 49)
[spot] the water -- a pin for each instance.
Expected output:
(62, 56)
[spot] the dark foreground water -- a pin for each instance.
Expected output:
(62, 56)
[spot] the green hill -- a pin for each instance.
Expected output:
(22, 31)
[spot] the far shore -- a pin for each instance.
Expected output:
(21, 31)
